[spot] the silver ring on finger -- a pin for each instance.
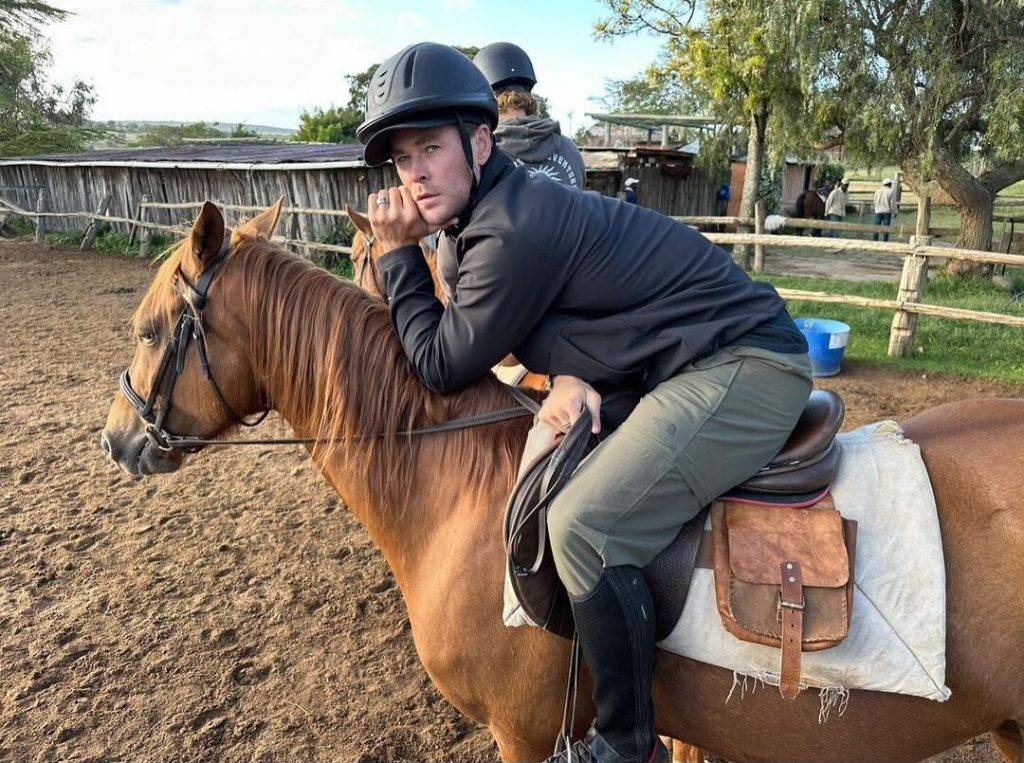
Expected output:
(382, 200)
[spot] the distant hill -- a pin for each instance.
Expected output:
(132, 127)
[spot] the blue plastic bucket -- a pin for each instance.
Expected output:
(826, 343)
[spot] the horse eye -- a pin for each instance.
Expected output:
(148, 338)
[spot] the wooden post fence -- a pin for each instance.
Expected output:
(758, 229)
(146, 236)
(94, 225)
(137, 219)
(912, 283)
(40, 219)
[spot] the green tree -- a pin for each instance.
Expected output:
(25, 16)
(176, 135)
(659, 90)
(931, 85)
(655, 91)
(338, 125)
(358, 87)
(335, 125)
(241, 131)
(751, 61)
(35, 116)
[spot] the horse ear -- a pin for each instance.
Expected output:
(207, 236)
(263, 225)
(361, 221)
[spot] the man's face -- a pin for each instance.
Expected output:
(432, 165)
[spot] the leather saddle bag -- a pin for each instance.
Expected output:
(784, 578)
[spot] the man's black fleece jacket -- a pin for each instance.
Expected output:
(574, 283)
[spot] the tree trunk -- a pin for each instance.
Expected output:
(975, 233)
(973, 201)
(752, 177)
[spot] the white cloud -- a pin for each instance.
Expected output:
(413, 20)
(263, 61)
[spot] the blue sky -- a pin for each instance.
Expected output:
(264, 61)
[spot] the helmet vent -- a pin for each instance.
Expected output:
(410, 64)
(381, 82)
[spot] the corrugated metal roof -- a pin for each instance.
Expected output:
(246, 153)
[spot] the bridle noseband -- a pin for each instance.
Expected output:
(188, 328)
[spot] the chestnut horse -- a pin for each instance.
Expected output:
(367, 277)
(281, 333)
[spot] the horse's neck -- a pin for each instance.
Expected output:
(437, 493)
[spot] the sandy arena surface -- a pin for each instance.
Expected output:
(234, 611)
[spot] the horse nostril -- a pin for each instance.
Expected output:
(105, 443)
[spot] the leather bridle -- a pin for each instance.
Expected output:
(188, 328)
(155, 408)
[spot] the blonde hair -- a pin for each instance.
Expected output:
(518, 100)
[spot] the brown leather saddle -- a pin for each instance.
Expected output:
(799, 475)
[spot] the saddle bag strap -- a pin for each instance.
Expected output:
(791, 604)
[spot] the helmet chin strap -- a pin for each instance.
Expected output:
(467, 149)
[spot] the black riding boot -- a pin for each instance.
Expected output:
(615, 623)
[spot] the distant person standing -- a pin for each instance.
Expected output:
(883, 206)
(835, 205)
(533, 141)
(722, 198)
(629, 190)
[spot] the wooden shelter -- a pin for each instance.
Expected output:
(311, 176)
(670, 180)
(797, 177)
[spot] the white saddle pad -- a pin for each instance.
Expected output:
(897, 638)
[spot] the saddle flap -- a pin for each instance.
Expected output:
(759, 542)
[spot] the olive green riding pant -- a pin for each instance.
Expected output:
(692, 438)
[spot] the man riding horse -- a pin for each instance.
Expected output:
(605, 297)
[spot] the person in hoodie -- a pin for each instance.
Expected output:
(603, 296)
(533, 141)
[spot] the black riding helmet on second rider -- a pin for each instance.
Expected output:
(506, 66)
(425, 85)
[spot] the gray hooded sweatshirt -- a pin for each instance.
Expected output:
(538, 144)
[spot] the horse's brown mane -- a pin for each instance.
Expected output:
(161, 304)
(335, 362)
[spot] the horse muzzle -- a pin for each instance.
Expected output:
(137, 455)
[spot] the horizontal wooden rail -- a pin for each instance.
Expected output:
(883, 248)
(910, 307)
(177, 230)
(243, 208)
(903, 229)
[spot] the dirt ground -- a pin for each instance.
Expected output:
(232, 612)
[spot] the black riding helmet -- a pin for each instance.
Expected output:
(424, 85)
(506, 67)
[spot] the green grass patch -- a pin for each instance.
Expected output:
(107, 241)
(337, 263)
(1016, 190)
(65, 237)
(19, 226)
(941, 345)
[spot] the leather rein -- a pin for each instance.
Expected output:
(157, 405)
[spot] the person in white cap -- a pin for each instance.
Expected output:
(883, 206)
(835, 205)
(629, 193)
